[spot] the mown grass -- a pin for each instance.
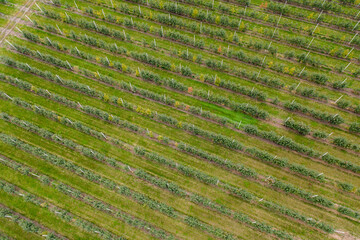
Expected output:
(74, 206)
(187, 117)
(208, 41)
(169, 45)
(296, 137)
(163, 196)
(13, 230)
(315, 125)
(285, 201)
(184, 206)
(116, 108)
(43, 217)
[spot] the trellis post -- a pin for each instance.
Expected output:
(311, 41)
(355, 25)
(353, 38)
(319, 15)
(339, 98)
(10, 43)
(19, 30)
(346, 66)
(279, 20)
(274, 32)
(262, 63)
(76, 5)
(29, 19)
(59, 30)
(349, 53)
(39, 7)
(301, 71)
(315, 29)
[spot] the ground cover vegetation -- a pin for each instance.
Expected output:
(192, 119)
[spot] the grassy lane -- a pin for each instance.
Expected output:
(355, 158)
(191, 119)
(255, 145)
(14, 231)
(252, 28)
(103, 194)
(150, 36)
(107, 170)
(315, 125)
(210, 41)
(325, 147)
(44, 217)
(150, 39)
(74, 206)
(191, 208)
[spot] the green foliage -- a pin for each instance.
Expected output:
(87, 174)
(323, 116)
(311, 93)
(354, 127)
(278, 8)
(342, 142)
(319, 78)
(216, 23)
(320, 134)
(248, 172)
(343, 104)
(186, 170)
(297, 126)
(291, 189)
(27, 224)
(348, 212)
(346, 186)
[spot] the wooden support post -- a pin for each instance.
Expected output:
(262, 63)
(339, 98)
(274, 32)
(39, 7)
(76, 5)
(355, 25)
(319, 15)
(19, 30)
(353, 38)
(59, 30)
(279, 20)
(346, 66)
(29, 19)
(311, 42)
(315, 28)
(10, 43)
(301, 71)
(349, 52)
